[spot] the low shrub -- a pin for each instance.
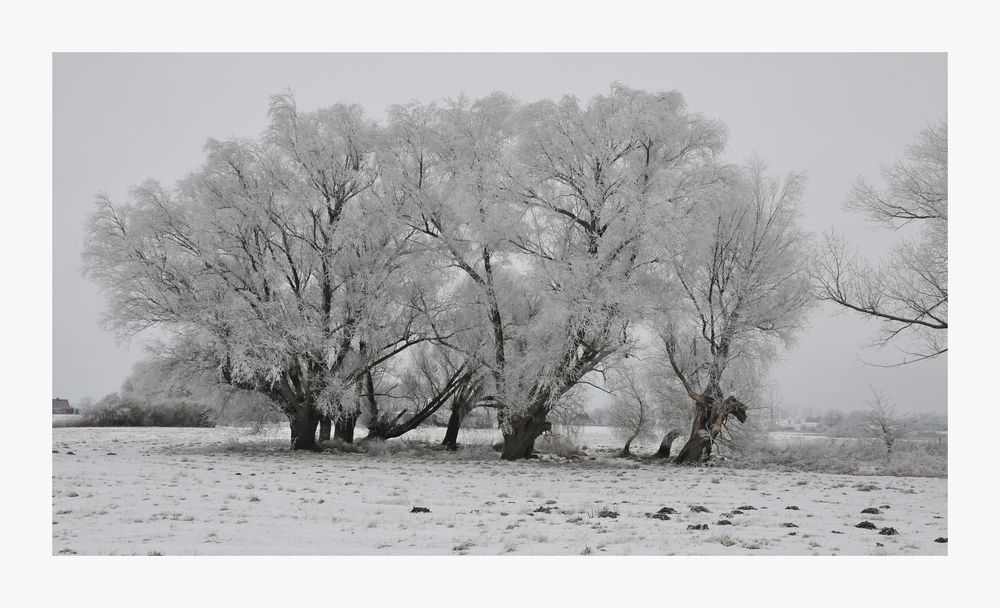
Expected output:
(115, 410)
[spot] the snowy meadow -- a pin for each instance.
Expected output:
(418, 313)
(221, 491)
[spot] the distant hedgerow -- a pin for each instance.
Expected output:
(115, 410)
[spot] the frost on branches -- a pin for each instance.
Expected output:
(469, 253)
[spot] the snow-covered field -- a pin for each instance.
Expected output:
(220, 491)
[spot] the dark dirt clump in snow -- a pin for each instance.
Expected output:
(420, 510)
(866, 525)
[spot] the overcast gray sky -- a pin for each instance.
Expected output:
(122, 118)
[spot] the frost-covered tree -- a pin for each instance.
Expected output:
(908, 291)
(449, 166)
(274, 264)
(743, 283)
(545, 213)
(594, 184)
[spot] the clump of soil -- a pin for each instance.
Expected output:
(420, 510)
(747, 508)
(789, 524)
(888, 531)
(737, 512)
(607, 513)
(723, 522)
(941, 539)
(699, 509)
(545, 510)
(791, 508)
(871, 511)
(698, 527)
(668, 511)
(866, 525)
(658, 515)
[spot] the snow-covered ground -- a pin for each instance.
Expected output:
(219, 491)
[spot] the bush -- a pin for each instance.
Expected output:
(115, 410)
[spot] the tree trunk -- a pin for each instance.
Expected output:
(325, 423)
(699, 440)
(454, 424)
(708, 421)
(343, 427)
(627, 450)
(303, 421)
(668, 440)
(697, 448)
(519, 442)
(382, 428)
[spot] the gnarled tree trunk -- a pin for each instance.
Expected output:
(325, 423)
(698, 447)
(708, 422)
(519, 441)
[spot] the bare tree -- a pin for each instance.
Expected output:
(908, 291)
(882, 422)
(633, 412)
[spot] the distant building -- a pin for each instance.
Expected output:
(61, 406)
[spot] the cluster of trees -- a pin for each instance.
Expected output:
(464, 254)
